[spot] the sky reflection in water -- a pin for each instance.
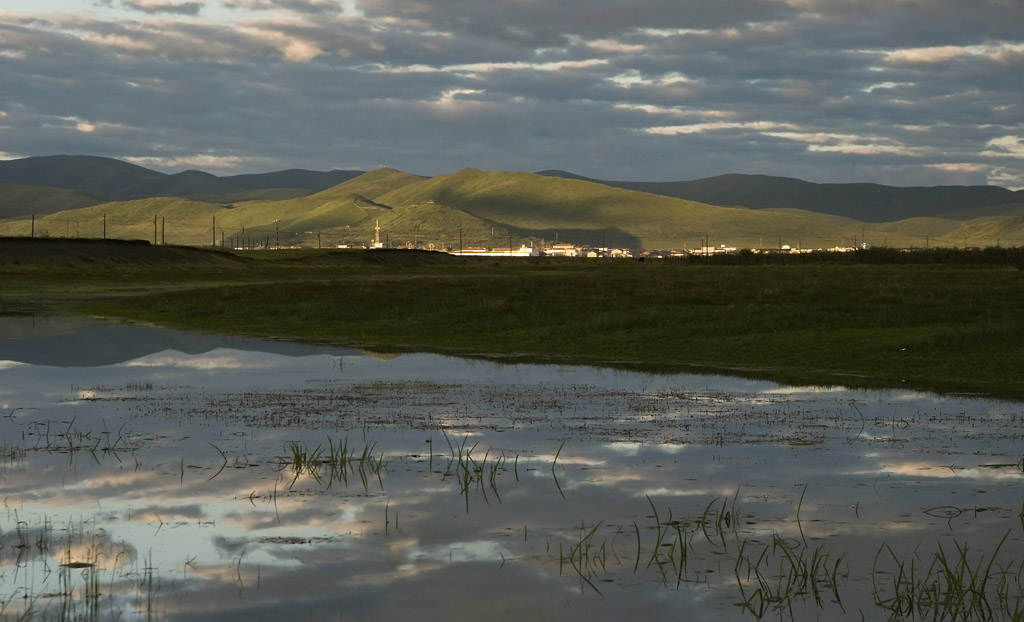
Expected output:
(581, 493)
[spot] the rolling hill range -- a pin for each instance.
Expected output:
(472, 208)
(866, 202)
(114, 179)
(21, 199)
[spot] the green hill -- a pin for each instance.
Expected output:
(528, 205)
(25, 200)
(173, 220)
(472, 208)
(866, 202)
(1002, 230)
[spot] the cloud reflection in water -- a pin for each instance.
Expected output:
(183, 461)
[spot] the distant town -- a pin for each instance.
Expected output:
(565, 249)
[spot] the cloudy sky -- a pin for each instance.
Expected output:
(901, 92)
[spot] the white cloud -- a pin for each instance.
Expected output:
(869, 149)
(1005, 146)
(959, 167)
(291, 47)
(1002, 51)
(1012, 179)
(696, 128)
(928, 55)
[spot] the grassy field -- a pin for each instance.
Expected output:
(946, 322)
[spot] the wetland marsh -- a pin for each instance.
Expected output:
(166, 475)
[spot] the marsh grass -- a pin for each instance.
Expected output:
(67, 573)
(784, 572)
(949, 585)
(338, 462)
(943, 327)
(66, 437)
(780, 576)
(473, 473)
(586, 556)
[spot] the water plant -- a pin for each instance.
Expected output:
(586, 557)
(952, 585)
(784, 571)
(468, 470)
(337, 463)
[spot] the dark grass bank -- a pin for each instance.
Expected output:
(937, 325)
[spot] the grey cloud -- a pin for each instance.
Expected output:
(436, 85)
(298, 6)
(597, 18)
(179, 7)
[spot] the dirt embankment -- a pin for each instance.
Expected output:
(18, 254)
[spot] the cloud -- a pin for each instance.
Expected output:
(179, 7)
(299, 6)
(1005, 146)
(892, 92)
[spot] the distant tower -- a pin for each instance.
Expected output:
(376, 235)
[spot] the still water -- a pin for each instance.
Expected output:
(161, 475)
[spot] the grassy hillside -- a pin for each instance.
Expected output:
(472, 208)
(593, 213)
(861, 201)
(181, 221)
(25, 200)
(521, 206)
(1006, 230)
(343, 214)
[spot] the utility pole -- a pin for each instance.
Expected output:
(277, 233)
(214, 241)
(33, 226)
(104, 226)
(154, 229)
(163, 230)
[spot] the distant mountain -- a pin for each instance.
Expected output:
(866, 202)
(90, 174)
(184, 184)
(473, 208)
(468, 208)
(292, 178)
(115, 179)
